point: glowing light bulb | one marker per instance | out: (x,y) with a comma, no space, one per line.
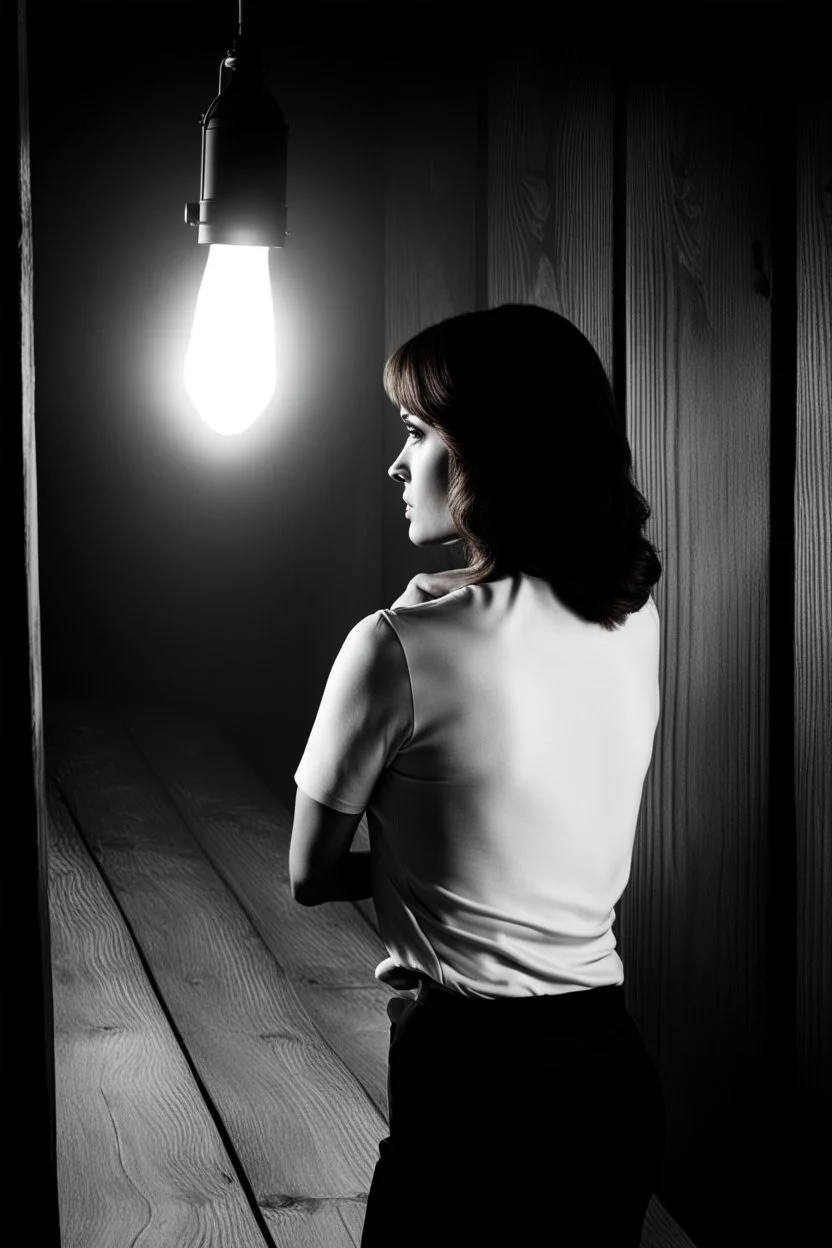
(230,366)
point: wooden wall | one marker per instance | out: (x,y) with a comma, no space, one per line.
(636,178)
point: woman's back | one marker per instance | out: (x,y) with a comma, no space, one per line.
(499,744)
(498,735)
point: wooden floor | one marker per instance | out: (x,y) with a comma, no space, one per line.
(220,1051)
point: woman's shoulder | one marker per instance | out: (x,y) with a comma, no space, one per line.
(371,654)
(427,587)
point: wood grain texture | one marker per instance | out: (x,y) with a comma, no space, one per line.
(139,1156)
(329,953)
(550,192)
(692,921)
(813,594)
(660,1230)
(430,143)
(28,1044)
(303,1128)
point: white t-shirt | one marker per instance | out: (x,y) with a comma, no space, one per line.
(499,745)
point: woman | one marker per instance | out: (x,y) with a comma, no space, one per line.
(497,723)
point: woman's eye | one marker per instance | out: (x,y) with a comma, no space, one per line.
(414,433)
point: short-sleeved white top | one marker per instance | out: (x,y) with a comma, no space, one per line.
(499,744)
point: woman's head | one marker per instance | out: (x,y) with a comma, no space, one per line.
(518,413)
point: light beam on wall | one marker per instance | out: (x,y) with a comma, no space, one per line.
(231,371)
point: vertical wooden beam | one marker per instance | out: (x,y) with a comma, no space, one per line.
(619,235)
(694,918)
(550,157)
(781,943)
(29,1051)
(813,611)
(481,173)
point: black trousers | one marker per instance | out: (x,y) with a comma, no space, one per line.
(521,1121)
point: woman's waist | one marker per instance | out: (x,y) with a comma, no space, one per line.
(568,998)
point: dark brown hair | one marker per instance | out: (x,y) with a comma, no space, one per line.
(541,469)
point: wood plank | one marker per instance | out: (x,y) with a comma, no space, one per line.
(430,235)
(28,1044)
(302,1126)
(550,185)
(693,918)
(813,612)
(329,953)
(139,1154)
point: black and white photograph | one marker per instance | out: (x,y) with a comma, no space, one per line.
(419,688)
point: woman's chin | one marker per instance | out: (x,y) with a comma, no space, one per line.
(441,539)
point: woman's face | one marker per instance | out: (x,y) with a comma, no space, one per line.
(423,468)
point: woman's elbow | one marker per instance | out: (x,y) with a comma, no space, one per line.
(304,893)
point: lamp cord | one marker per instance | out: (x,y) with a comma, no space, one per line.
(227,60)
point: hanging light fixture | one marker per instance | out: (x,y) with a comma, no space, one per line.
(231,369)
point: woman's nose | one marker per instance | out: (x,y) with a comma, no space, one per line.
(396,471)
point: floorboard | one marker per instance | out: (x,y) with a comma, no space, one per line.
(329,952)
(139,1155)
(303,1128)
(275,1004)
